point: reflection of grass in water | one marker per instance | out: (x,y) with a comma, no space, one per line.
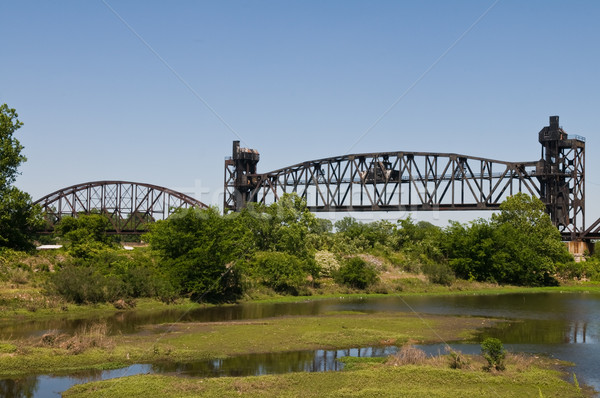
(528,331)
(365,378)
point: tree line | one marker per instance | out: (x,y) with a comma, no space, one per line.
(281,248)
(284,248)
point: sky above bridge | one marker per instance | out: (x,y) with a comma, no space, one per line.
(156,92)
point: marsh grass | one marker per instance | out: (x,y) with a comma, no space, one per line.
(408,355)
(85,338)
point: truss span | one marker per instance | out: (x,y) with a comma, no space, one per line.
(389,181)
(413,181)
(130,206)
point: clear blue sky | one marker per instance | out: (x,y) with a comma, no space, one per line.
(296,80)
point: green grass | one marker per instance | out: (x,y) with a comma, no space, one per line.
(186,342)
(301,333)
(370,380)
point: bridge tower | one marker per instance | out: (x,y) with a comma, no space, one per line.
(240,177)
(561,175)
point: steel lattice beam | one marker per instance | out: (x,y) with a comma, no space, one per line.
(391,181)
(128,205)
(413,181)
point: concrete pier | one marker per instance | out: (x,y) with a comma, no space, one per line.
(580,248)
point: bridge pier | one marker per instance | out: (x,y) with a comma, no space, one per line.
(580,248)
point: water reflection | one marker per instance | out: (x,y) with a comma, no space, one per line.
(272,363)
(129,321)
(46,386)
(566,326)
(542,332)
(243,365)
(565,308)
(22,388)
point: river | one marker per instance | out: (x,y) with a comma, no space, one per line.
(561,325)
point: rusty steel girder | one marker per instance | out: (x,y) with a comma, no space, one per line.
(128,205)
(389,181)
(414,181)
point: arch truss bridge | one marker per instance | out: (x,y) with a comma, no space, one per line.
(130,206)
(413,181)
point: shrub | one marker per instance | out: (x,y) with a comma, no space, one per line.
(327,262)
(355,272)
(457,359)
(18,275)
(86,285)
(494,353)
(282,272)
(439,273)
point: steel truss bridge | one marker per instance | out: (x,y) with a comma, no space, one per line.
(415,181)
(129,206)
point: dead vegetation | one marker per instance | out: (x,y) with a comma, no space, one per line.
(408,355)
(85,338)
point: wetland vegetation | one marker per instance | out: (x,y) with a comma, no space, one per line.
(198,259)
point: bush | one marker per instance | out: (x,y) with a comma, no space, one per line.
(19,276)
(86,285)
(141,282)
(439,273)
(589,269)
(494,353)
(457,359)
(355,272)
(282,272)
(327,262)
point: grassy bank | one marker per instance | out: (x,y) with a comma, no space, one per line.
(431,379)
(183,342)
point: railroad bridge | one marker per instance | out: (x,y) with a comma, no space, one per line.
(382,181)
(423,181)
(129,206)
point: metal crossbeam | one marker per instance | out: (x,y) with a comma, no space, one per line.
(413,181)
(392,181)
(128,205)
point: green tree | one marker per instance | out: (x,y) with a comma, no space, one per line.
(10,148)
(355,272)
(494,353)
(366,235)
(470,250)
(283,272)
(530,246)
(19,218)
(197,250)
(518,246)
(284,226)
(86,234)
(291,223)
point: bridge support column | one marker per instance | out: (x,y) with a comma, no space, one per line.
(580,248)
(240,177)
